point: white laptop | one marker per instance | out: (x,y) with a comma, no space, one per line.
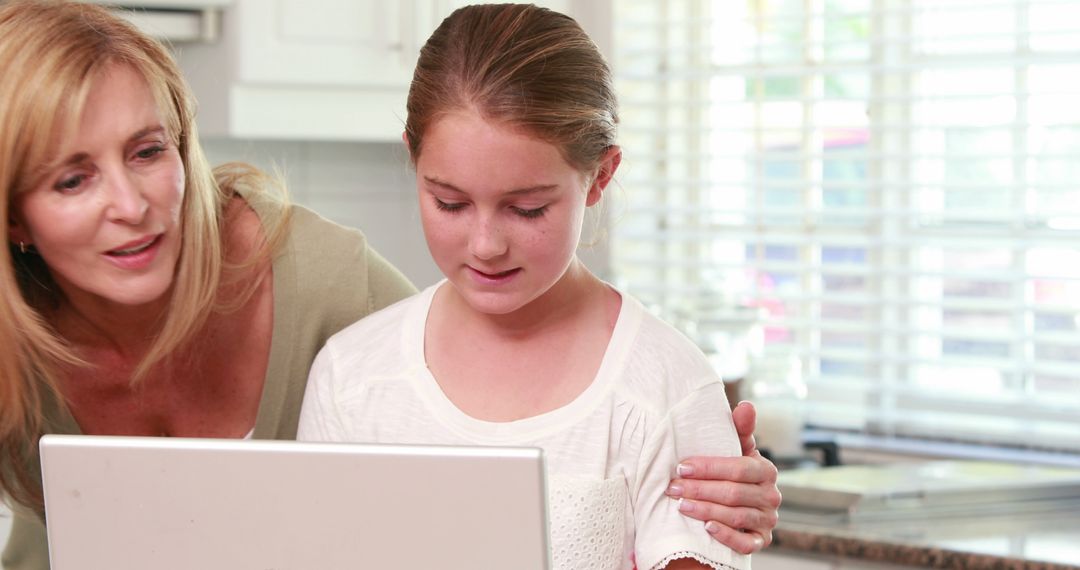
(125,503)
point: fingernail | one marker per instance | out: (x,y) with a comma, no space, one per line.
(685,506)
(674,490)
(712,527)
(685,470)
(759,542)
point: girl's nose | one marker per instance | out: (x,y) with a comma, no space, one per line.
(486,240)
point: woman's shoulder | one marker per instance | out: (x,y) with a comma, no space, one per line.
(390,321)
(320,238)
(256,192)
(311,257)
(325,254)
(325,275)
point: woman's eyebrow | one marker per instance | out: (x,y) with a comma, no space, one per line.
(81,156)
(155,129)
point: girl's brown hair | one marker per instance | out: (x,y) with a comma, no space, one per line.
(527,67)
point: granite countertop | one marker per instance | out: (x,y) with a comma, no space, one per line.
(1030,541)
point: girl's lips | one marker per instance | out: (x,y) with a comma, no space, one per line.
(493,278)
(137,254)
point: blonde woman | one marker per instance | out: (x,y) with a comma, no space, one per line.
(142,292)
(146,294)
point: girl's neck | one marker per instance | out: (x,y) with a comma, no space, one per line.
(543,356)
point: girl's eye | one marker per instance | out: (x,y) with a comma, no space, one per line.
(530,214)
(149,152)
(449,207)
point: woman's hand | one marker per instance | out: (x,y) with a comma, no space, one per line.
(736,496)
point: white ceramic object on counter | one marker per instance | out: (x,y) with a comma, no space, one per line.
(5,524)
(778,391)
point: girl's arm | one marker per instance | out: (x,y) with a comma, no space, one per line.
(686,564)
(736,496)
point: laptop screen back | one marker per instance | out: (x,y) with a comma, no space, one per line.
(177,503)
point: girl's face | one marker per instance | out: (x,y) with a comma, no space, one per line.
(106,215)
(502,211)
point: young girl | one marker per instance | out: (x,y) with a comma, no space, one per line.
(511,127)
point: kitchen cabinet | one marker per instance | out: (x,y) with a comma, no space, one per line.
(171,20)
(313,69)
(336,43)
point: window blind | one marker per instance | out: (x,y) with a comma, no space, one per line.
(893,185)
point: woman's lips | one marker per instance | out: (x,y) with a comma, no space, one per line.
(134,246)
(136,254)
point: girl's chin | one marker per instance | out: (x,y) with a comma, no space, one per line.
(494,303)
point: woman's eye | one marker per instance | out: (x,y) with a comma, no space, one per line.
(530,213)
(149,152)
(70,183)
(448,206)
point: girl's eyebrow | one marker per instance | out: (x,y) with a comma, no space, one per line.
(540,188)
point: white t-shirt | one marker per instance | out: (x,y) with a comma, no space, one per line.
(610,453)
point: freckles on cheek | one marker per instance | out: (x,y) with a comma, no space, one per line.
(534,239)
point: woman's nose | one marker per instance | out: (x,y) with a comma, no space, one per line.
(126,202)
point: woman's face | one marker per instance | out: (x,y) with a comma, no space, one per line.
(502,211)
(106,216)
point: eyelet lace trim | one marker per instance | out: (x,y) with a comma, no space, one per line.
(587,523)
(686,554)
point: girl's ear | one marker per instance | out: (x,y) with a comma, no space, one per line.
(604,173)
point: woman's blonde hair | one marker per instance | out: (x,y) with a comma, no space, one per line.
(51,52)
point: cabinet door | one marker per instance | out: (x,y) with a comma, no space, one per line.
(337,43)
(349,43)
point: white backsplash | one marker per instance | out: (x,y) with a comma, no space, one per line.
(363,185)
